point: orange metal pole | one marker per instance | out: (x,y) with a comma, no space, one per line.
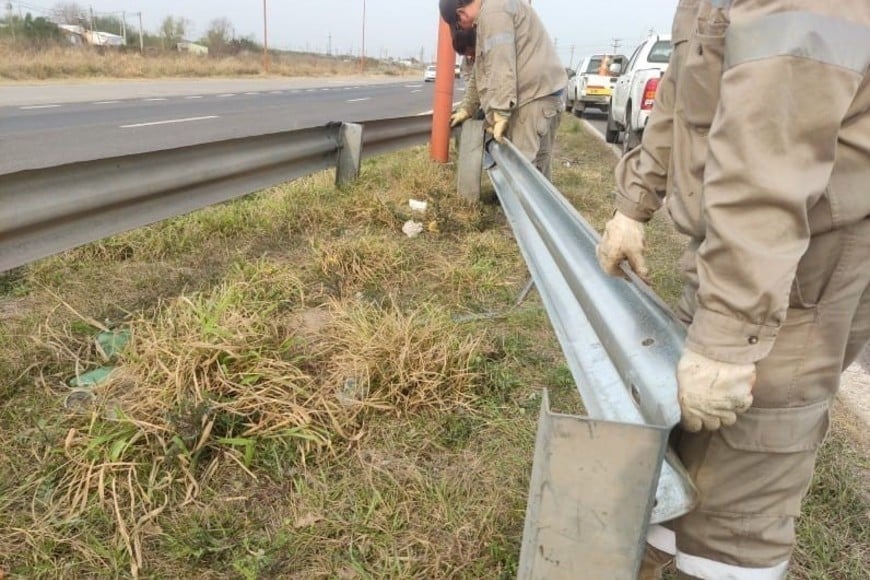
(439,146)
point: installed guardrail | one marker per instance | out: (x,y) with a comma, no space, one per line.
(48,210)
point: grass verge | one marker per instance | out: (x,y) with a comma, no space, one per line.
(299,397)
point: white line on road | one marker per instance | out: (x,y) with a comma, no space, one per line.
(31,107)
(358,100)
(167,122)
(155,99)
(413,86)
(193,97)
(416,91)
(225,95)
(105,102)
(252,93)
(276,92)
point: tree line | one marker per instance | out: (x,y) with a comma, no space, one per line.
(220,36)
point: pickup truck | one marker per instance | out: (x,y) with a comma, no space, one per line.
(635,91)
(588,88)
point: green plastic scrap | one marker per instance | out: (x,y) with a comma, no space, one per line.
(91,378)
(113,341)
(110,343)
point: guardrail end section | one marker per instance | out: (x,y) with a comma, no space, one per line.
(592,491)
(469,166)
(349,153)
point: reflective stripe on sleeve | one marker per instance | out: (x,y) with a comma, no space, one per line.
(497,39)
(712,570)
(826,39)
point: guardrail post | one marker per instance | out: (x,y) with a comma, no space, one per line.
(470,160)
(349,153)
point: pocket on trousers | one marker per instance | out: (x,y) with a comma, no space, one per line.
(762,466)
(792,430)
(701,76)
(545,120)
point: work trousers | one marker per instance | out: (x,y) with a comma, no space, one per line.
(752,476)
(532,129)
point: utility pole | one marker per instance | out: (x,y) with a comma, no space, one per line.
(92,18)
(141,41)
(265,40)
(124,27)
(571,62)
(362,53)
(329,45)
(616,44)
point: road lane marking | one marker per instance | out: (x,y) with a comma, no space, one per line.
(193,97)
(156,99)
(225,95)
(105,102)
(358,100)
(413,86)
(31,107)
(169,121)
(416,91)
(252,93)
(276,93)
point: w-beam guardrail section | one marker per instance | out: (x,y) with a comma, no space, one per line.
(595,482)
(49,210)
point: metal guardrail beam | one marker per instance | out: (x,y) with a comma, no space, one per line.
(620,342)
(48,210)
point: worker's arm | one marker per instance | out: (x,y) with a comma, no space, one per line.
(471,101)
(642,174)
(496,38)
(789,80)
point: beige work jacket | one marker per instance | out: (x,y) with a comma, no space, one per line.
(515,60)
(770,146)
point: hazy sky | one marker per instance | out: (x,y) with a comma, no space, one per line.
(393,27)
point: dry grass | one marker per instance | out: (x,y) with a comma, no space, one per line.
(297,399)
(81,62)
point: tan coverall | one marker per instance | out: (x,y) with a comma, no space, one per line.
(760,138)
(517,72)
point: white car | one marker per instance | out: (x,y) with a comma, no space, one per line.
(429,75)
(635,91)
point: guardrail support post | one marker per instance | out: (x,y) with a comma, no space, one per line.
(469,165)
(349,153)
(591,492)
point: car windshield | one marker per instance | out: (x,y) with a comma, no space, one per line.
(594,65)
(661,51)
(430,68)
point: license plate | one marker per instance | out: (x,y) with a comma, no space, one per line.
(605,92)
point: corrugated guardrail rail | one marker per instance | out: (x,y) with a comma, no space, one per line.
(621,343)
(48,210)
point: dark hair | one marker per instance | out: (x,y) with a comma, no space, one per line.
(448,10)
(464,41)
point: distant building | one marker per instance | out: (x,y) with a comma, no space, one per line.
(76,34)
(192,48)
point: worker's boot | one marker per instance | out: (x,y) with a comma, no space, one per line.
(653,563)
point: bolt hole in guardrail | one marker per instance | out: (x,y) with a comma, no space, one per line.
(635,393)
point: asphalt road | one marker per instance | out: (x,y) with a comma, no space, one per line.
(48,125)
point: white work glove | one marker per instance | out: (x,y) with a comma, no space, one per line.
(712,393)
(499,125)
(459,117)
(622,240)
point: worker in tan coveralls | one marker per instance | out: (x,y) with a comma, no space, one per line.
(518,77)
(760,137)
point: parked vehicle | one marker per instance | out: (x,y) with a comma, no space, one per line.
(429,74)
(593,83)
(632,100)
